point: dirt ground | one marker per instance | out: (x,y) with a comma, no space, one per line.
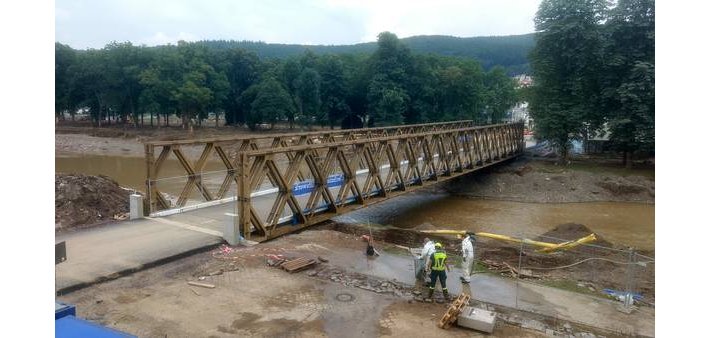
(540,181)
(251,298)
(128,141)
(86,200)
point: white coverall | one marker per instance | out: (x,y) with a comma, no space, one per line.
(467,253)
(427,250)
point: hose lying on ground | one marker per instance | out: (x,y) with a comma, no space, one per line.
(584,260)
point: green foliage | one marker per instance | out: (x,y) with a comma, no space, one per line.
(391,85)
(629,76)
(65,58)
(309,84)
(593,69)
(333,90)
(271,104)
(500,96)
(566,62)
(509,52)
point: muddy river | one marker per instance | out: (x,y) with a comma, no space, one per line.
(622,223)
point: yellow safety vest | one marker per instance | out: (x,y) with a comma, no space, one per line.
(437,261)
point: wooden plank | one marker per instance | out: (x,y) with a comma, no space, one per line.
(452,313)
(297,264)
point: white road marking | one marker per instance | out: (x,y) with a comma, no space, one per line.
(187,226)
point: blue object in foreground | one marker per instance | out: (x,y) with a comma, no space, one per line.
(72,327)
(63,310)
(617,293)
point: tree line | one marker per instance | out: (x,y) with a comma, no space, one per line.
(509,52)
(392,85)
(593,67)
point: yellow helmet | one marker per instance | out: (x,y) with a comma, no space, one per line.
(438,245)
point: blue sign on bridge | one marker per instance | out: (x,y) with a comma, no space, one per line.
(307,186)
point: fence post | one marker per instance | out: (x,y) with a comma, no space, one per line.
(149,163)
(517,276)
(628,297)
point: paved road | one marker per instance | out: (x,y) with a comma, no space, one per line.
(97,253)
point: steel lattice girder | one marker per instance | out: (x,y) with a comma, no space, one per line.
(410,161)
(227,148)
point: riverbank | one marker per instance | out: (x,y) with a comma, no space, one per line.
(540,181)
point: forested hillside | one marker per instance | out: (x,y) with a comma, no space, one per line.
(391,84)
(509,52)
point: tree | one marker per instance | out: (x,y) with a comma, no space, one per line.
(290,72)
(90,86)
(271,104)
(242,69)
(386,95)
(333,90)
(387,102)
(500,96)
(308,91)
(160,80)
(565,62)
(64,59)
(629,76)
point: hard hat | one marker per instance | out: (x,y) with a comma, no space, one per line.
(438,245)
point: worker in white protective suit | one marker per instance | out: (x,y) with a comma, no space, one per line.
(427,250)
(468,245)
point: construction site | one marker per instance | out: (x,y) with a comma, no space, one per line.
(333,233)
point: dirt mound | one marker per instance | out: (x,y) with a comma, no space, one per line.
(84,199)
(572,231)
(621,188)
(425,226)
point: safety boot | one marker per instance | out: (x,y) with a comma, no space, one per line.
(429,297)
(446,295)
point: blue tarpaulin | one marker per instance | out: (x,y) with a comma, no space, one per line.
(72,327)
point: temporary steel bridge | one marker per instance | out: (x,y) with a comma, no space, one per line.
(285,182)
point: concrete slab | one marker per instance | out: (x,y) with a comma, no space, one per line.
(96,253)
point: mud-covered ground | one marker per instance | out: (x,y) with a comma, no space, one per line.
(586,268)
(540,181)
(253,299)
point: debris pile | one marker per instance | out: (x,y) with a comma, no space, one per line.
(571,232)
(86,199)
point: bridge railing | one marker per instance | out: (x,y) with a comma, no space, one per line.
(184,174)
(310,183)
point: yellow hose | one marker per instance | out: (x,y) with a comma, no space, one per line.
(546,247)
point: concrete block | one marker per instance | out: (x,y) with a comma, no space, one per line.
(477,319)
(136,206)
(231,233)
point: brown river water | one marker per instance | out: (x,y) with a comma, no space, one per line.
(622,223)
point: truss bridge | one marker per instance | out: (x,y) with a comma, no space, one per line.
(272,184)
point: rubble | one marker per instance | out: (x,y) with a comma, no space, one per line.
(86,199)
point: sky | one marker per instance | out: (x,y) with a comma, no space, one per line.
(92,24)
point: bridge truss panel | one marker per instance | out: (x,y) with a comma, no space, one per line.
(185,174)
(315,182)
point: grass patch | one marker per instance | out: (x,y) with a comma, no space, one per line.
(597,168)
(570,285)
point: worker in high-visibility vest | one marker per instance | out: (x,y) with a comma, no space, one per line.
(438,267)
